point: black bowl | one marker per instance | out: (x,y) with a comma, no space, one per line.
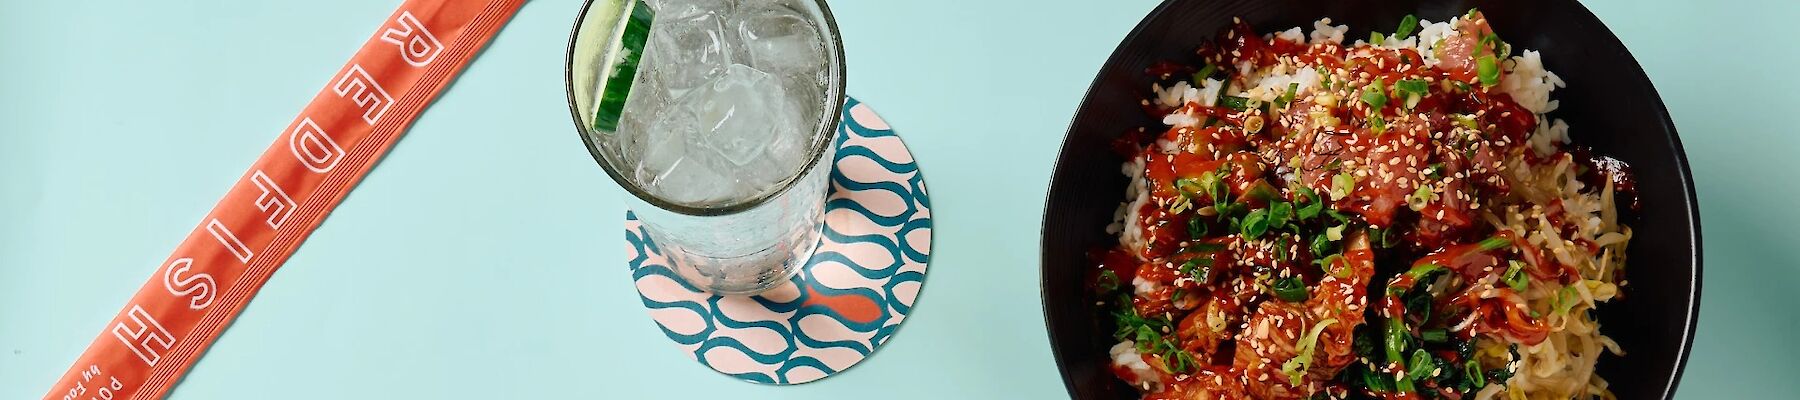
(1609,104)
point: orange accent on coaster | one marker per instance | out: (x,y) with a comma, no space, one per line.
(265,216)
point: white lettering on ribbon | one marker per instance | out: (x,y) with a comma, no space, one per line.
(273,200)
(197,287)
(369,95)
(417,45)
(231,242)
(313,147)
(148,336)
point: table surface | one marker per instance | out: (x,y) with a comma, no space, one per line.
(482,259)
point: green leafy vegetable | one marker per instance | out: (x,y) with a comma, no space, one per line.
(1395,340)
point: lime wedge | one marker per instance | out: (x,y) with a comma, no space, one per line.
(621,64)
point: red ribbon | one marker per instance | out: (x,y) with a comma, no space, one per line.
(285,195)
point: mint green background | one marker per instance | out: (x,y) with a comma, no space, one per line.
(483,258)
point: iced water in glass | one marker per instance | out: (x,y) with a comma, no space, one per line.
(718,117)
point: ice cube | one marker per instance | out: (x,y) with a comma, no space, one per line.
(688,8)
(741,113)
(688,51)
(664,145)
(776,38)
(670,166)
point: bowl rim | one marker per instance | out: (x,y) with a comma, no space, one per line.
(1690,320)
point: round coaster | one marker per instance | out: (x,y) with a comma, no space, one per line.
(849,299)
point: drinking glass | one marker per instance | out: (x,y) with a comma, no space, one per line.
(752,236)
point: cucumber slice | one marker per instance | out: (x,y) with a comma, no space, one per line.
(621,65)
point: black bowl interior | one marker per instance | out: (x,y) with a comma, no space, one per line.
(1609,104)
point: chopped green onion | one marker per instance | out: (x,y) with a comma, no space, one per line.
(1495,243)
(1485,41)
(1467,121)
(1435,335)
(1413,86)
(1290,289)
(1107,282)
(1515,276)
(1383,238)
(1566,299)
(1189,186)
(1279,214)
(1199,268)
(1375,94)
(1205,73)
(1204,247)
(1419,198)
(1336,233)
(1330,261)
(1473,371)
(1419,272)
(1377,124)
(1407,25)
(1341,185)
(1375,38)
(1313,204)
(1488,70)
(1286,98)
(1296,367)
(1420,366)
(1177,360)
(1210,184)
(1235,103)
(1256,223)
(1321,245)
(1196,228)
(1461,86)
